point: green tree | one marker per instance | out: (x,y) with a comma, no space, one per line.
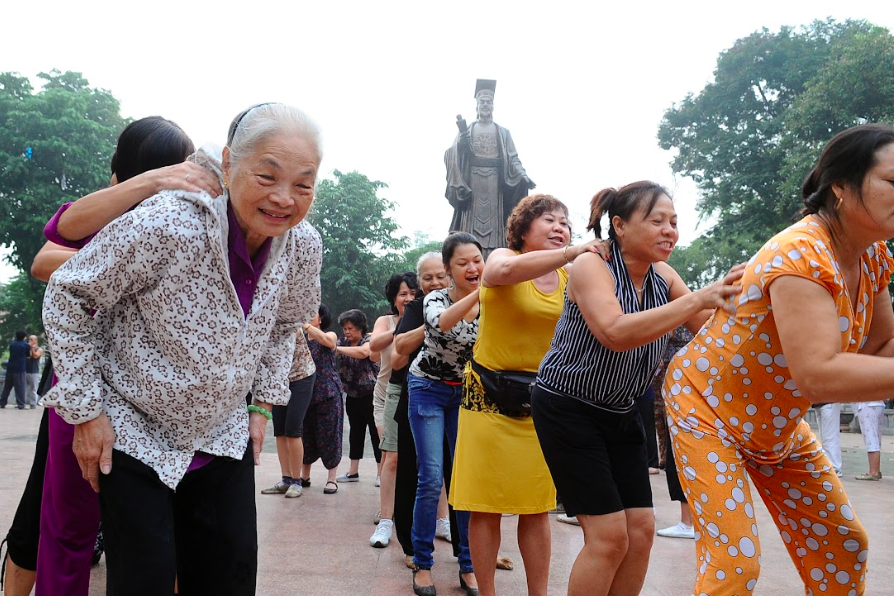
(360,240)
(55,146)
(20,307)
(750,137)
(422,243)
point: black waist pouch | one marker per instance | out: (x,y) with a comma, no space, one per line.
(509,390)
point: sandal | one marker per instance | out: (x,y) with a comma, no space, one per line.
(505,563)
(868,476)
(327,490)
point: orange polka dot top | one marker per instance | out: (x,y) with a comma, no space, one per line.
(732,380)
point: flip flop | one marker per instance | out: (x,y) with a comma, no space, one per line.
(330,491)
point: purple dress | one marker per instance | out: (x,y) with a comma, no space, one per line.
(324,421)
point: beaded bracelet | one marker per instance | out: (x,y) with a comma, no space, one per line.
(259,410)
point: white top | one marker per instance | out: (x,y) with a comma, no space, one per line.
(169,355)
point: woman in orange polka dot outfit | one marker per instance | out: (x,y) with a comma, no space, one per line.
(812,297)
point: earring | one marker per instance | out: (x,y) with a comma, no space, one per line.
(838,203)
(226,184)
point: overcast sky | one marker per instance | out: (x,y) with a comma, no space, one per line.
(582,89)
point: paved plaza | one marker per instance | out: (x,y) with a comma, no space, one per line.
(319,544)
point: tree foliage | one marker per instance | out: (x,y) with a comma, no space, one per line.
(21,301)
(55,146)
(750,137)
(359,243)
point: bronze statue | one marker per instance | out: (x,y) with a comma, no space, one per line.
(485,178)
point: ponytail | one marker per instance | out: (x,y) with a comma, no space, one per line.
(623,203)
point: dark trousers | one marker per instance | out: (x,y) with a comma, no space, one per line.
(24,533)
(360,417)
(673,481)
(406,477)
(204,534)
(646,406)
(20,382)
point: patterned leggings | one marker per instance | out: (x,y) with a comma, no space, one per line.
(821,532)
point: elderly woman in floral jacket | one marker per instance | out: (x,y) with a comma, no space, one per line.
(197,302)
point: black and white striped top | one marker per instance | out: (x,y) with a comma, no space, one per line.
(578,366)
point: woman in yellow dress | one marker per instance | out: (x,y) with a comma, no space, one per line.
(521,300)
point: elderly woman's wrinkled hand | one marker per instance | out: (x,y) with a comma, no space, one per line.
(257,427)
(92,446)
(186,176)
(721,294)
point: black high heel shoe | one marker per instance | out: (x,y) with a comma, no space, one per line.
(426,590)
(470,591)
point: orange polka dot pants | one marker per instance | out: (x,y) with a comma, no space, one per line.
(823,536)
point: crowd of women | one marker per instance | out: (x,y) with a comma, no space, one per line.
(184,311)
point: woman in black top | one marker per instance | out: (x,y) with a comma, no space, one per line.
(612,331)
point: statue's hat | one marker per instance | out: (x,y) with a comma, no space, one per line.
(485,85)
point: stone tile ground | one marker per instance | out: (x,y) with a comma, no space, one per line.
(318,544)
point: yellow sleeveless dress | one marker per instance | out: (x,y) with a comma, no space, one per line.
(498,465)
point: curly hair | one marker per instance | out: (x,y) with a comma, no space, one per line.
(393,287)
(355,317)
(527,210)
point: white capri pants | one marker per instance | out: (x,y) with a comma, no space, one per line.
(871,415)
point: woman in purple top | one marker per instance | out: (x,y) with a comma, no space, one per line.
(148,158)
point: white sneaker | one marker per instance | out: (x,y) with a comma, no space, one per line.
(293,491)
(442,528)
(378,481)
(567,519)
(681,530)
(382,536)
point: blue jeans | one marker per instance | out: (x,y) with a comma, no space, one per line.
(434,411)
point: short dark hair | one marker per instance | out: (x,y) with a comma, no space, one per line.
(847,158)
(454,241)
(355,317)
(393,286)
(623,203)
(527,210)
(20,335)
(148,144)
(325,317)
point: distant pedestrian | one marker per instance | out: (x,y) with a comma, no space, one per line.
(359,369)
(32,370)
(19,352)
(871,415)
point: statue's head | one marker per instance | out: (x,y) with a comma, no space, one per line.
(484,96)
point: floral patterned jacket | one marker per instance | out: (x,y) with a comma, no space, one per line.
(169,355)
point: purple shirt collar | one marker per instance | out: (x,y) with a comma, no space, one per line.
(245,271)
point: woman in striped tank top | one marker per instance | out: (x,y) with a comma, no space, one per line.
(616,320)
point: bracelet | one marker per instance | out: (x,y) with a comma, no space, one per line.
(565,255)
(260,410)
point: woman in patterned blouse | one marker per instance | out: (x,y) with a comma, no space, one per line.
(435,383)
(197,304)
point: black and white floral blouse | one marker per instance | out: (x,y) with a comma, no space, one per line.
(169,355)
(444,354)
